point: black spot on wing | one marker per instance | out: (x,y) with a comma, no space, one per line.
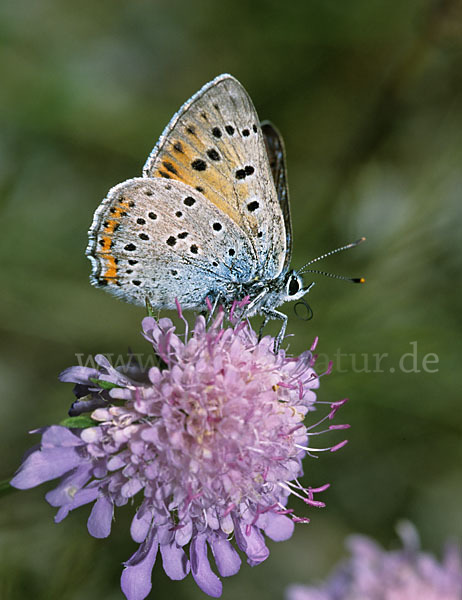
(213,154)
(245,172)
(170,168)
(199,164)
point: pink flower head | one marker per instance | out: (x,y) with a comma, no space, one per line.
(210,444)
(372,573)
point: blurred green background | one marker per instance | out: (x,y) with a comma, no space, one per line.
(368,96)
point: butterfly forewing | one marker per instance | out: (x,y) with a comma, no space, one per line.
(161,239)
(215,145)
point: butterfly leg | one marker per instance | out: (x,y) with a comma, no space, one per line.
(252,307)
(275,314)
(262,327)
(215,304)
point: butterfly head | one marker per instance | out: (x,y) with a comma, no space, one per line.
(271,294)
(294,288)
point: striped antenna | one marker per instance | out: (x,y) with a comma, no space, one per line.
(333,275)
(341,249)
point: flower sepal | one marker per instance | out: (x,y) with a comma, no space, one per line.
(80,422)
(104,385)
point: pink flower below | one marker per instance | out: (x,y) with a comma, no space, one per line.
(211,441)
(372,573)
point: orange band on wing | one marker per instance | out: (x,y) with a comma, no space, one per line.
(111,268)
(105,244)
(110,226)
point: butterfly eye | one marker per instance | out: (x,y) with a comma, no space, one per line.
(294,286)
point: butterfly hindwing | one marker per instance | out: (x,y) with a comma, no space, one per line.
(161,239)
(277,160)
(215,144)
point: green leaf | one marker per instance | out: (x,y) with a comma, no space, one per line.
(105,385)
(80,422)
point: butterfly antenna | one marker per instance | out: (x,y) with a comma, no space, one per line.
(336,251)
(334,276)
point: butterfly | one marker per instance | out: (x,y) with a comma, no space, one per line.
(209,220)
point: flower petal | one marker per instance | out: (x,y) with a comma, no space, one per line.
(136,579)
(44,465)
(175,562)
(140,525)
(132,487)
(227,559)
(278,527)
(79,375)
(100,519)
(252,543)
(183,534)
(200,568)
(64,493)
(56,435)
(84,496)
